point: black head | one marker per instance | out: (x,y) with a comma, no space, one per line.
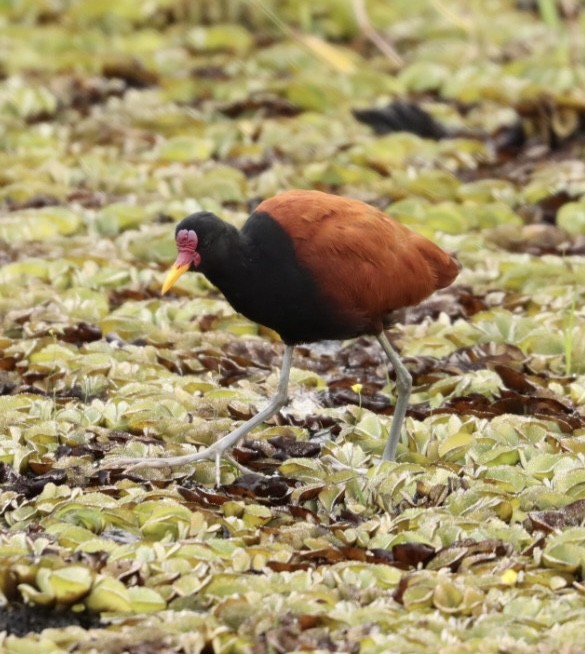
(198,237)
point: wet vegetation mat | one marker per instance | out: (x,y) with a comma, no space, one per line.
(465,121)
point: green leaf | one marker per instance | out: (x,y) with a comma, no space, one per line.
(118,217)
(231,38)
(571,217)
(109,595)
(145,600)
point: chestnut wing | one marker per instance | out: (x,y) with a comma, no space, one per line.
(365,262)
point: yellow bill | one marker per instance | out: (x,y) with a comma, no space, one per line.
(173,275)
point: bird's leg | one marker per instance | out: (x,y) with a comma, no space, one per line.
(403,387)
(279,400)
(215,451)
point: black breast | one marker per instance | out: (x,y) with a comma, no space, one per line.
(265,282)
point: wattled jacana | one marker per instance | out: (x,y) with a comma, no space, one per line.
(311,266)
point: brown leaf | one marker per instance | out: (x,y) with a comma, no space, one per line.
(202,497)
(407,555)
(253,486)
(288,447)
(269,106)
(254,352)
(281,566)
(367,398)
(513,379)
(402,587)
(572,515)
(118,297)
(510,402)
(82,332)
(30,486)
(131,71)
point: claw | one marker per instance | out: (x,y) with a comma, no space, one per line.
(212,453)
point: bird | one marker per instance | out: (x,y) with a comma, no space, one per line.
(311,266)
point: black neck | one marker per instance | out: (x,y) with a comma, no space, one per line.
(258,272)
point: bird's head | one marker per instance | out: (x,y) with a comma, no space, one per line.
(187,239)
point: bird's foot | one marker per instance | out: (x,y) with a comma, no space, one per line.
(337,465)
(217,450)
(212,453)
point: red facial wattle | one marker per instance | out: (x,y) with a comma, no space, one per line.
(187,257)
(187,242)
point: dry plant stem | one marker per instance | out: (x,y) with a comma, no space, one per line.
(215,452)
(452,16)
(361,16)
(571,11)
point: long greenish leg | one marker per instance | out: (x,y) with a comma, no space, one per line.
(403,387)
(215,451)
